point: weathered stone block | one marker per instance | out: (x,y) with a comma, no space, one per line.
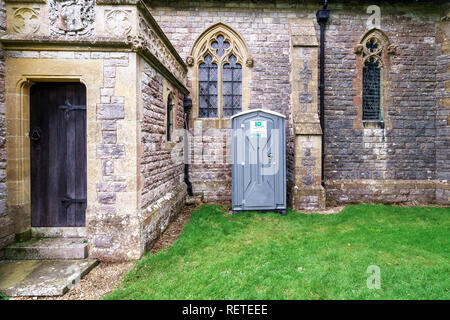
(109,125)
(110,111)
(108,167)
(106,197)
(109,137)
(103,241)
(113,151)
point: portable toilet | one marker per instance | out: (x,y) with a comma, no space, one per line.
(259,161)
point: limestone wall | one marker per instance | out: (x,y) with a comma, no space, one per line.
(6,224)
(111,215)
(105,53)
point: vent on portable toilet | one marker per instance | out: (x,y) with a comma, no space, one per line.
(259,161)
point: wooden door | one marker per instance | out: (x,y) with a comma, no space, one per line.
(58,154)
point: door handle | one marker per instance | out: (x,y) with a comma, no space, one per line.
(35,134)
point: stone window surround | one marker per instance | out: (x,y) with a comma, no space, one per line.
(385,83)
(198,51)
(169,93)
(17,105)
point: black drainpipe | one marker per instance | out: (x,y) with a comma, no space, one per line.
(322,18)
(187,107)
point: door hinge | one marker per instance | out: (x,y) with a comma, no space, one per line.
(68,201)
(67,106)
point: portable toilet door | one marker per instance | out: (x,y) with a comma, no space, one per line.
(259,161)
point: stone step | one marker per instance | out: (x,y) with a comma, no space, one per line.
(47,248)
(42,277)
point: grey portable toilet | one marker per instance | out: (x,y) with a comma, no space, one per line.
(259,161)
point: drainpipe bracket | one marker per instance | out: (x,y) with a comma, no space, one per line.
(323,15)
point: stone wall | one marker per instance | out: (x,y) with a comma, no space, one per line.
(443,112)
(361,163)
(265,28)
(161,162)
(210,170)
(6,224)
(307,191)
(131,196)
(112,222)
(135,177)
(111,216)
(397,163)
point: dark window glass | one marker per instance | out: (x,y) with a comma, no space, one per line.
(372,45)
(232,87)
(371,90)
(169,118)
(207,87)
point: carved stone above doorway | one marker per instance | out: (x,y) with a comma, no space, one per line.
(71,17)
(26,20)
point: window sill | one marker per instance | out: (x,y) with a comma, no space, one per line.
(217,123)
(373,124)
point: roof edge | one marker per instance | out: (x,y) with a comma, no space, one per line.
(258,110)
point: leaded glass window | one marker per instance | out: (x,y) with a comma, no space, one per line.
(371,90)
(207,87)
(232,87)
(223,63)
(371,77)
(220,45)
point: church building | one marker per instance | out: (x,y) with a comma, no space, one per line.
(114,113)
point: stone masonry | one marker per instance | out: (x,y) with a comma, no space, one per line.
(161,164)
(307,193)
(135,185)
(396,163)
(6,224)
(265,28)
(443,111)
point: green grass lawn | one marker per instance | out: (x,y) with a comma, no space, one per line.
(300,256)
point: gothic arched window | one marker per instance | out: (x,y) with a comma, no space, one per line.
(373,63)
(371,95)
(221,64)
